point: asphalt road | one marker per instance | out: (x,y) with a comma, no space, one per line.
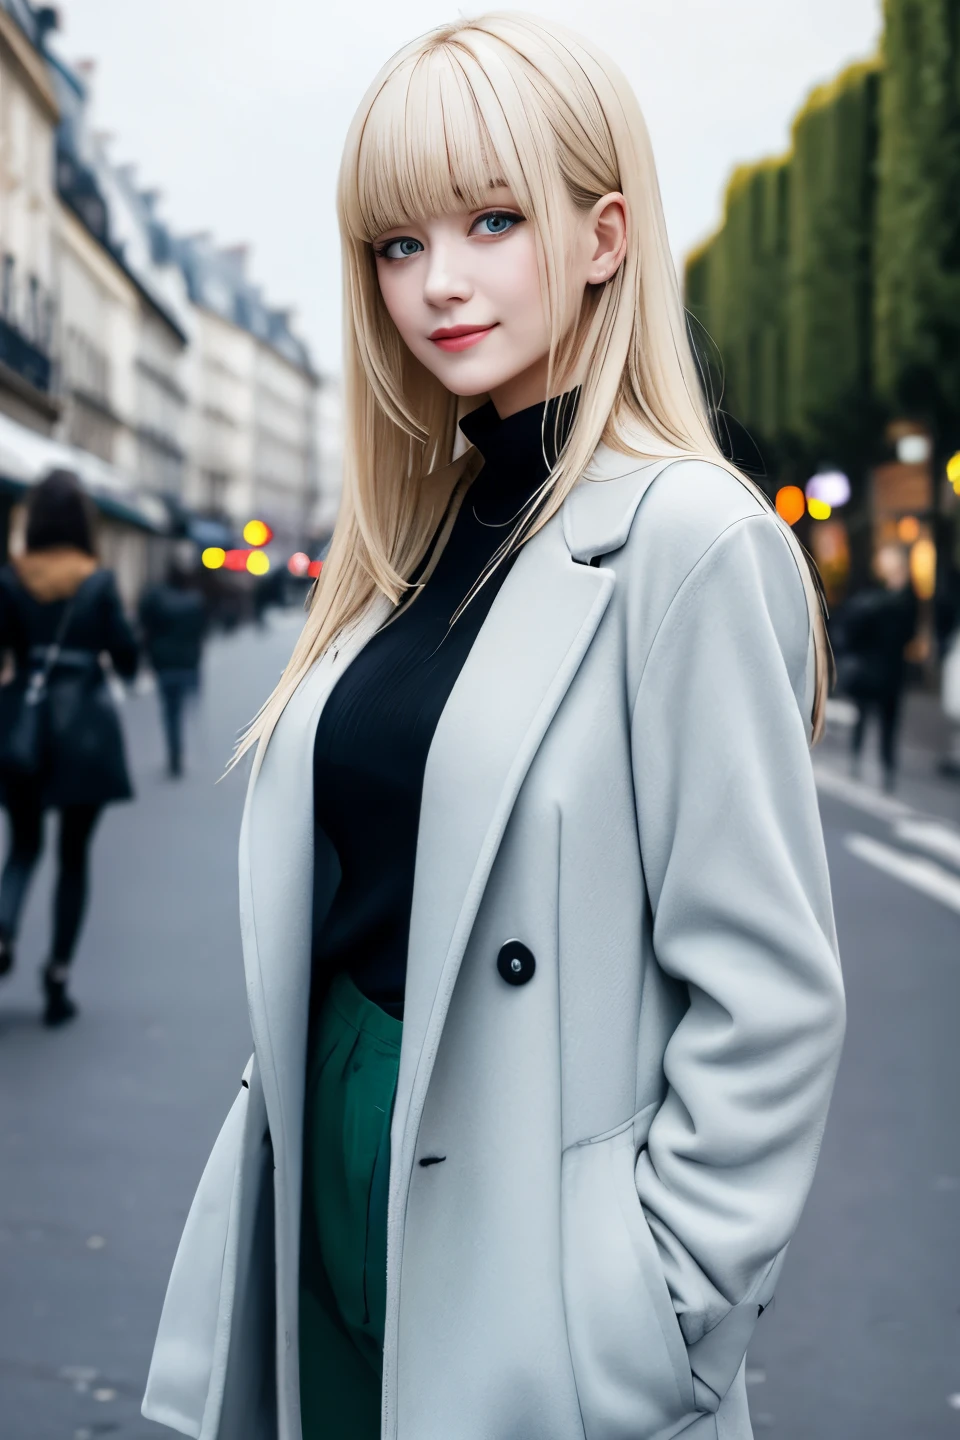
(104,1127)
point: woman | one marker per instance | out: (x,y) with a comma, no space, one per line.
(558,899)
(59,612)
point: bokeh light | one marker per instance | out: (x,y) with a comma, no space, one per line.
(913,449)
(953,471)
(299,563)
(258,563)
(213,557)
(830,486)
(257,532)
(923,568)
(819,509)
(908,529)
(791,503)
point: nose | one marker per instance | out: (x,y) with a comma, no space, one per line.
(445,280)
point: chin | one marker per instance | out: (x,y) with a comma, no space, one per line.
(470,381)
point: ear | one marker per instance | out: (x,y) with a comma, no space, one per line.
(606,238)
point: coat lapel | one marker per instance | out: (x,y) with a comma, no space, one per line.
(516,675)
(518,670)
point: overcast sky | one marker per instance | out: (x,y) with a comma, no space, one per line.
(237,109)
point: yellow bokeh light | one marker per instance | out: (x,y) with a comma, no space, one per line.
(953,470)
(819,509)
(258,563)
(923,568)
(255,532)
(790,503)
(213,557)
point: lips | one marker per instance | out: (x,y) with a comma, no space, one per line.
(460,337)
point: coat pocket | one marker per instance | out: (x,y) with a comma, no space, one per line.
(629,1357)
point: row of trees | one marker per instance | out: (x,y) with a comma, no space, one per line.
(828,302)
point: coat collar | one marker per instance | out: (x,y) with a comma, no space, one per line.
(600,509)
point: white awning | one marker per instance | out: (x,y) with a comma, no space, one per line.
(26,456)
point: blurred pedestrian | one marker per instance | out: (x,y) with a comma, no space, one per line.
(877,626)
(61,746)
(173,617)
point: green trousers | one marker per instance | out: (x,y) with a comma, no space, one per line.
(351,1080)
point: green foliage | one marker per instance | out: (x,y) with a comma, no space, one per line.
(917,295)
(735,287)
(829,289)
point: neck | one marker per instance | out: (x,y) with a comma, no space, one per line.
(523,390)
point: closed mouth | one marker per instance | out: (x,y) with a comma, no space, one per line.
(460,337)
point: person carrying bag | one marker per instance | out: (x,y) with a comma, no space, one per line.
(25,714)
(61,745)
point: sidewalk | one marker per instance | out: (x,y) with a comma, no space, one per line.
(924,739)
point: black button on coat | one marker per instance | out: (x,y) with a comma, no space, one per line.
(516,963)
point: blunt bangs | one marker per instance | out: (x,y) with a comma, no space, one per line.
(427,146)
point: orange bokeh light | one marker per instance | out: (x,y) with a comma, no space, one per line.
(791,503)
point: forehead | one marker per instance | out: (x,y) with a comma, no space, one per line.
(427,148)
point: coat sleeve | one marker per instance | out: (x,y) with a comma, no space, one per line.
(736,871)
(119,640)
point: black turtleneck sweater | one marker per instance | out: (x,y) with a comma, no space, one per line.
(378,723)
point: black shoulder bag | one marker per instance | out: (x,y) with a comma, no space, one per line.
(25,712)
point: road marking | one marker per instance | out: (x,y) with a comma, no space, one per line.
(923,875)
(940,840)
(855,793)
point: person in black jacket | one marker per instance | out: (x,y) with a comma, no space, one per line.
(876,627)
(59,614)
(173,618)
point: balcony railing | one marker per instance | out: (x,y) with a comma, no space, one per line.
(25,358)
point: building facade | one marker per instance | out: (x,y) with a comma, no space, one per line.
(253,424)
(146,372)
(149,363)
(220,480)
(28,287)
(98,325)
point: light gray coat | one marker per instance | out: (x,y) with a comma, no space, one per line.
(621,780)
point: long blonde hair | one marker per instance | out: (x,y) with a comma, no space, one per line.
(513,99)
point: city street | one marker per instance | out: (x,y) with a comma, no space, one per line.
(104,1127)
